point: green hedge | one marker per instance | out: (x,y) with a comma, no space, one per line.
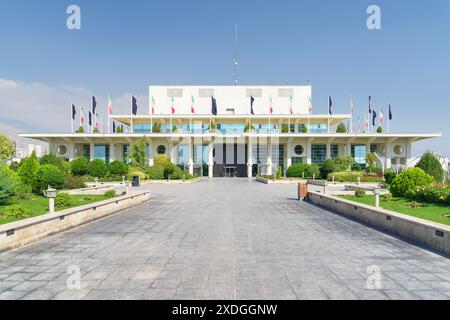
(353,177)
(302,169)
(410,179)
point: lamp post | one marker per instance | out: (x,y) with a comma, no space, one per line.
(50,193)
(376,192)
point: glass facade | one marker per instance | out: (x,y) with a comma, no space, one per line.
(317,128)
(334,148)
(231,128)
(318,153)
(296,160)
(126,153)
(87,151)
(142,128)
(300,128)
(101,152)
(359,154)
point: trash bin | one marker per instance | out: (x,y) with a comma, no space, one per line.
(135,182)
(302,191)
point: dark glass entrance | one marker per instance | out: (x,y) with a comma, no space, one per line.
(229,157)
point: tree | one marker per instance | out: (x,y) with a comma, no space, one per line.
(9,180)
(137,154)
(371,161)
(48,175)
(97,168)
(328,166)
(79,166)
(28,168)
(53,160)
(118,168)
(343,163)
(164,161)
(341,128)
(7,148)
(431,165)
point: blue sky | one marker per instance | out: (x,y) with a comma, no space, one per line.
(124,46)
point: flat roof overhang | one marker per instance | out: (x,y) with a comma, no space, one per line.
(132,137)
(334,119)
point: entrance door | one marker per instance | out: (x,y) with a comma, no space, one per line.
(233,156)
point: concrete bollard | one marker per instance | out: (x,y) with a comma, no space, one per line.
(324,188)
(334,179)
(358,181)
(376,192)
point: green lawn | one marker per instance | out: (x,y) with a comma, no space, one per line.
(428,211)
(38,205)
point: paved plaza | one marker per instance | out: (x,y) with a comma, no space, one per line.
(223,239)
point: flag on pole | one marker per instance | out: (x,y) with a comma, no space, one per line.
(114,126)
(74,112)
(271,106)
(94,105)
(390,113)
(172,108)
(97,121)
(381,117)
(374,116)
(81,116)
(310,104)
(90,119)
(110,108)
(252,100)
(291,109)
(193,104)
(153,105)
(330,104)
(370,106)
(359,124)
(366,122)
(213,106)
(134,106)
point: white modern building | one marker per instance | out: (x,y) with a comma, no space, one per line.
(181,123)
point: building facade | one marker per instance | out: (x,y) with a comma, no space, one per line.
(217,131)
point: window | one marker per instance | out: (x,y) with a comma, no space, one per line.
(142,128)
(300,128)
(87,151)
(292,128)
(296,160)
(231,128)
(62,150)
(317,128)
(125,153)
(278,156)
(299,150)
(161,149)
(359,154)
(101,152)
(334,151)
(318,153)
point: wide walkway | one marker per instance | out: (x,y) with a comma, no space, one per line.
(223,239)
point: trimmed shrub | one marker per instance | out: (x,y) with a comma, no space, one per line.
(155,172)
(297,170)
(343,163)
(63,200)
(410,194)
(23,191)
(388,197)
(79,166)
(156,128)
(48,175)
(435,194)
(431,165)
(409,180)
(285,128)
(304,129)
(341,128)
(344,176)
(53,160)
(136,171)
(379,130)
(328,166)
(164,161)
(80,130)
(9,180)
(356,167)
(118,168)
(279,172)
(371,177)
(28,168)
(74,182)
(389,176)
(110,194)
(97,168)
(178,174)
(17,211)
(360,193)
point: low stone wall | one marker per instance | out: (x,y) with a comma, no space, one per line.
(279,181)
(23,232)
(429,234)
(171,181)
(89,190)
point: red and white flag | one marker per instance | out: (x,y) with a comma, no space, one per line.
(172,108)
(153,106)
(81,116)
(193,104)
(110,108)
(291,110)
(271,106)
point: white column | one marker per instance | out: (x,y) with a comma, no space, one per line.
(288,154)
(250,157)
(269,156)
(112,152)
(92,151)
(191,161)
(308,152)
(173,152)
(348,150)
(328,152)
(341,150)
(152,152)
(210,159)
(71,151)
(388,155)
(408,152)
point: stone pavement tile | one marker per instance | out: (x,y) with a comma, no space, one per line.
(401,295)
(18,276)
(12,295)
(431,295)
(6,285)
(71,294)
(138,284)
(159,294)
(166,283)
(190,294)
(44,276)
(29,285)
(39,295)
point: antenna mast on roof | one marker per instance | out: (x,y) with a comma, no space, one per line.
(235,62)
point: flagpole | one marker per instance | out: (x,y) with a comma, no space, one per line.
(71,117)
